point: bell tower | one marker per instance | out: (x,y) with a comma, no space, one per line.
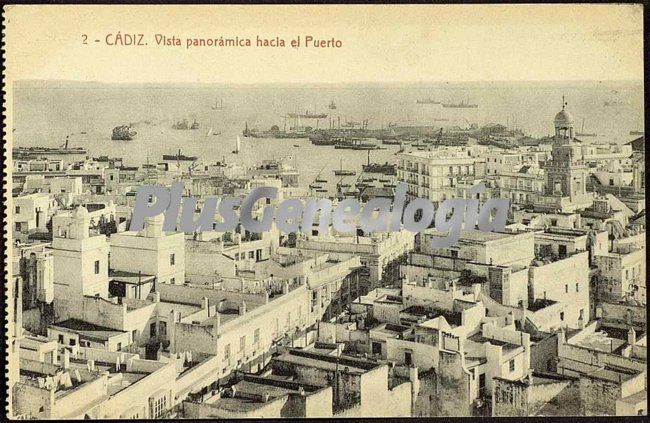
(566,172)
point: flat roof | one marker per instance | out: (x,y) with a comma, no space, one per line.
(475,235)
(87,329)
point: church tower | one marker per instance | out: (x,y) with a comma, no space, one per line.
(566,172)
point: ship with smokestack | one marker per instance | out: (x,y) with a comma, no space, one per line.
(185,124)
(31,152)
(123,133)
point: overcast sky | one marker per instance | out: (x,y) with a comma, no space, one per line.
(380,43)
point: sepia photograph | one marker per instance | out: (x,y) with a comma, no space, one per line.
(324,211)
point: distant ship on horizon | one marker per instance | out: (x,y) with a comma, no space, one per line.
(462,105)
(427,101)
(307,115)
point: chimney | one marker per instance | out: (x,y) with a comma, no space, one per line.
(66,358)
(476,290)
(242,308)
(205,304)
(285,288)
(156,297)
(631,336)
(581,322)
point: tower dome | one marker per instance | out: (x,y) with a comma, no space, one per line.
(563,119)
(563,124)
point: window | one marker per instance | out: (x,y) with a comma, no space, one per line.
(582,313)
(562,316)
(242,343)
(577,287)
(163,328)
(376,348)
(407,358)
(17,209)
(158,407)
(172,259)
(97,267)
(152,329)
(566,288)
(172,281)
(60,339)
(251,254)
(512,365)
(119,346)
(256,336)
(72,342)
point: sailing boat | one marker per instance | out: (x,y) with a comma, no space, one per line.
(332,105)
(218,105)
(582,132)
(344,172)
(318,179)
(237,146)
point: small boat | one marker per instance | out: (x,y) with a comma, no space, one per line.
(344,172)
(315,186)
(582,132)
(636,133)
(237,146)
(83,132)
(318,180)
(218,105)
(296,145)
(332,105)
(214,134)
